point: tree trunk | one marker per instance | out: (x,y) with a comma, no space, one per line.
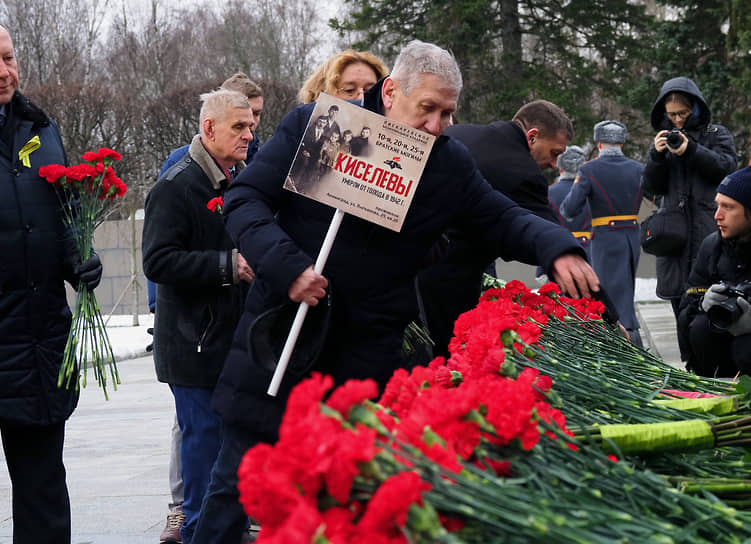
(511,41)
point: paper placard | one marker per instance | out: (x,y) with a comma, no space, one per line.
(359,162)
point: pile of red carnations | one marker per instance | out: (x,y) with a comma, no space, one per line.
(466,450)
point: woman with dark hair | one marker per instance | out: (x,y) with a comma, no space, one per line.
(346,75)
(687,160)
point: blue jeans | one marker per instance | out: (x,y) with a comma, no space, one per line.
(201,430)
(222,518)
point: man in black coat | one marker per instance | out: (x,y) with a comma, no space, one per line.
(201,281)
(511,155)
(714,322)
(370,269)
(37,253)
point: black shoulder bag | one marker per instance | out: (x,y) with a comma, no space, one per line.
(665,232)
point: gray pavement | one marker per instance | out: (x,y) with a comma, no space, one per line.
(116,451)
(116,454)
(658,331)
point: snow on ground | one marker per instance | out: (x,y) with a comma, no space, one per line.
(128,340)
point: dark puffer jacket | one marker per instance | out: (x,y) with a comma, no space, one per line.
(692,177)
(371,269)
(36,254)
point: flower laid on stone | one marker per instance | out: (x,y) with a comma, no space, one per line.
(477,448)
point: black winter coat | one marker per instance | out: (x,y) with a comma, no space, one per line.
(717,260)
(189,255)
(692,178)
(36,255)
(502,156)
(371,269)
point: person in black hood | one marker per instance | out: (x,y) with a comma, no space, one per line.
(682,170)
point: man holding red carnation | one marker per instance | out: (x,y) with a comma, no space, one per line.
(201,281)
(38,253)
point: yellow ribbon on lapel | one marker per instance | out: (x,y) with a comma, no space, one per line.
(28,148)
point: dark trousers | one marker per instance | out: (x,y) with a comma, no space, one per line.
(41,507)
(222,519)
(683,347)
(716,353)
(201,438)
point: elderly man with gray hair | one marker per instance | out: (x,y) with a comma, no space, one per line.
(201,281)
(611,185)
(370,271)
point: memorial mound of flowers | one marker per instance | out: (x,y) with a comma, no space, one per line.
(544,425)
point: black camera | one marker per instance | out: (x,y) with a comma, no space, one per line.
(725,313)
(674,139)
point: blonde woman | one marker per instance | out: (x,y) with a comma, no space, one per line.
(346,75)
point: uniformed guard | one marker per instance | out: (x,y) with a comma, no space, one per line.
(611,185)
(580,224)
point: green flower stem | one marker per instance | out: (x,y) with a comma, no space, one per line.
(88,343)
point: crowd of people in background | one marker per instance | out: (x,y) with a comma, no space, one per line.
(216,273)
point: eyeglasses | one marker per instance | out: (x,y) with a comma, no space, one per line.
(678,114)
(352,92)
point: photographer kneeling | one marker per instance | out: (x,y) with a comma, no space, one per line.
(714,322)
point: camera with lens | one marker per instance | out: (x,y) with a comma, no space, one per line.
(725,313)
(674,139)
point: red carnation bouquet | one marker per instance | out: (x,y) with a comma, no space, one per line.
(86,192)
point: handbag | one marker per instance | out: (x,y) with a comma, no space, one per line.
(665,232)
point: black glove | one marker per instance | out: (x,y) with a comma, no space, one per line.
(89,272)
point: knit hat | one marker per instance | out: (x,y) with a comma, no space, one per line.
(571,159)
(738,186)
(610,132)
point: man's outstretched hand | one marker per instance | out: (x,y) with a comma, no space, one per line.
(575,276)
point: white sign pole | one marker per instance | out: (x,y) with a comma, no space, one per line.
(302,310)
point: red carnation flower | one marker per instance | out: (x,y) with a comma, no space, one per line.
(107,153)
(351,393)
(53,172)
(391,501)
(99,156)
(216,204)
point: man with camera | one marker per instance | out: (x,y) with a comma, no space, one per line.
(714,322)
(689,156)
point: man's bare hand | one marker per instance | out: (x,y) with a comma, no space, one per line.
(309,287)
(244,271)
(574,276)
